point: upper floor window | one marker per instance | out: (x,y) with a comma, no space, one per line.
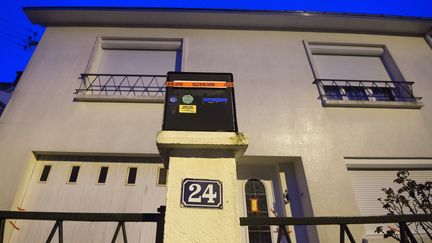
(133,67)
(359,75)
(428,38)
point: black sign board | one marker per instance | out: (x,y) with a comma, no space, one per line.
(200,102)
(201,193)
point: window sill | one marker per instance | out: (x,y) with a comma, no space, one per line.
(372,104)
(119,98)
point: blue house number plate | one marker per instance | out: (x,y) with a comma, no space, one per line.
(201,193)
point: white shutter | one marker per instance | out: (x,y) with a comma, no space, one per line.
(350,67)
(150,62)
(367,186)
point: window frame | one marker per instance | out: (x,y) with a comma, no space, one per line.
(127,176)
(99,173)
(120,42)
(246,203)
(359,49)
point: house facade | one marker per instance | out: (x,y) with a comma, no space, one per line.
(333,105)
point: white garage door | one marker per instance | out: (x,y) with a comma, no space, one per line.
(367,186)
(92,187)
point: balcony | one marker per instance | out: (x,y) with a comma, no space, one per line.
(367,94)
(121,88)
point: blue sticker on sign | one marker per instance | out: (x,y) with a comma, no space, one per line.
(215,100)
(173,99)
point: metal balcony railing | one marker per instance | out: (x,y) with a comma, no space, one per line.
(365,90)
(122,84)
(406,235)
(59,218)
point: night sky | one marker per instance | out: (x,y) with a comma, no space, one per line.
(15,29)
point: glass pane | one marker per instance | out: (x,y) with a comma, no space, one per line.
(259,187)
(356,93)
(255,194)
(103,173)
(162,176)
(383,94)
(132,175)
(45,173)
(332,93)
(74,174)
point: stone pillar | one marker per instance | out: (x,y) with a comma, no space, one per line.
(208,156)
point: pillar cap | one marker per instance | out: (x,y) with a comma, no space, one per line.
(201,144)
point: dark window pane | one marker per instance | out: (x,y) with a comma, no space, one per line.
(132,175)
(332,92)
(255,190)
(74,174)
(254,237)
(162,176)
(249,187)
(259,187)
(265,236)
(356,93)
(103,173)
(383,94)
(45,173)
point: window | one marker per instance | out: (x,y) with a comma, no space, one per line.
(133,68)
(428,38)
(256,204)
(103,173)
(45,173)
(131,176)
(139,56)
(73,176)
(348,73)
(162,176)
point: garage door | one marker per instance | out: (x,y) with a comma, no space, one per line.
(367,186)
(92,187)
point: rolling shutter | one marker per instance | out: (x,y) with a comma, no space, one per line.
(367,186)
(350,67)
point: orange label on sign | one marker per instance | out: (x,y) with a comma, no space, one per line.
(200,84)
(254,205)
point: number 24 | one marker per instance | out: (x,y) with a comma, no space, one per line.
(208,193)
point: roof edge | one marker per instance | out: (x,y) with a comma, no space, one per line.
(229,19)
(221,10)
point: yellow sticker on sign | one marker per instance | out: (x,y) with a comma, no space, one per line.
(187,109)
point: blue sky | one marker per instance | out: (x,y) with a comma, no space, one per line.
(15,28)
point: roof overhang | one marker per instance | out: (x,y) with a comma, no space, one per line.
(228,19)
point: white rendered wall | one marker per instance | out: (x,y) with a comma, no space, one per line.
(277,107)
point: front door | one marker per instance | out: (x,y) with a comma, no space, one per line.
(257,186)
